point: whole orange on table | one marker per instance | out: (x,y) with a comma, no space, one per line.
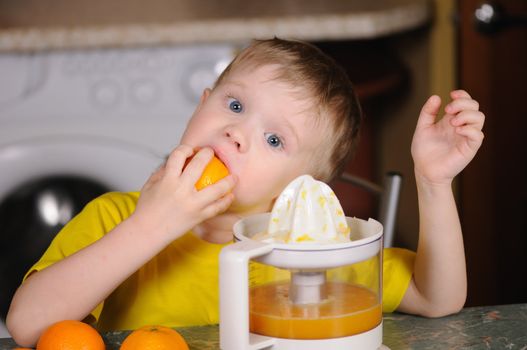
(154,338)
(214,171)
(70,335)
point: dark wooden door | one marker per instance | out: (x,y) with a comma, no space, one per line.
(493,188)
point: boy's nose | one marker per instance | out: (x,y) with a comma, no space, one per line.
(236,139)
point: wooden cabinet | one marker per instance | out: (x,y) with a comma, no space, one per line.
(493,188)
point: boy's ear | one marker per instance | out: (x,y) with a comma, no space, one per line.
(204,96)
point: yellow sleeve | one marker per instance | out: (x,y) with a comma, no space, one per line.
(96,219)
(398,267)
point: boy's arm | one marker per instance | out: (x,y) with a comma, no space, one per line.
(168,206)
(441,149)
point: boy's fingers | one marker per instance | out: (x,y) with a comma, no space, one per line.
(459,94)
(218,197)
(197,164)
(177,158)
(460,104)
(219,188)
(474,136)
(155,177)
(473,118)
(218,206)
(429,111)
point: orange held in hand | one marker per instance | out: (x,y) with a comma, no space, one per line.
(214,171)
(70,335)
(154,338)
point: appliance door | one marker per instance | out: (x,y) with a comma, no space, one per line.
(45,181)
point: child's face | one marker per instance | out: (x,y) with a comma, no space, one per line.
(260,128)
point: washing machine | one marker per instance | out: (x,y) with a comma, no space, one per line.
(75,124)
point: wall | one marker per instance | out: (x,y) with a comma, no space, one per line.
(429,54)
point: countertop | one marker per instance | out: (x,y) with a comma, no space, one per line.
(68,24)
(489,327)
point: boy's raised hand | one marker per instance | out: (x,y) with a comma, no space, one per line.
(169,203)
(442,148)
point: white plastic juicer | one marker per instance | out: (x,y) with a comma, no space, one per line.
(301,296)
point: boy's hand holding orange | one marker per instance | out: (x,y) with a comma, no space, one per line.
(172,201)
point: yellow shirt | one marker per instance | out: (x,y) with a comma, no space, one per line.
(179,286)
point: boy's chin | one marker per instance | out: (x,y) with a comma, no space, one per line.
(245,209)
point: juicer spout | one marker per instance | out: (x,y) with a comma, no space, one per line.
(308,287)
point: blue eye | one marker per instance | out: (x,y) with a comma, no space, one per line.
(273,140)
(235,105)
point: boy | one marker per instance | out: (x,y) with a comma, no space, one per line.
(281,109)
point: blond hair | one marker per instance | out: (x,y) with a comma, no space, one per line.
(305,66)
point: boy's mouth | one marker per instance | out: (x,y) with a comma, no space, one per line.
(221,156)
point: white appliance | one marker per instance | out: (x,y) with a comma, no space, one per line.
(74,124)
(301,296)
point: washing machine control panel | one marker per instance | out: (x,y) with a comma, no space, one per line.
(126,93)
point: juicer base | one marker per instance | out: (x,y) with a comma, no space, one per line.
(370,340)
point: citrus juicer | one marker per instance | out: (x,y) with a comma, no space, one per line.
(301,296)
